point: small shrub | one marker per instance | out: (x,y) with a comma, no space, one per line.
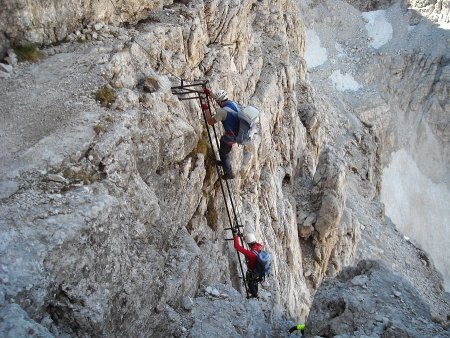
(304,88)
(28,52)
(204,148)
(150,85)
(106,96)
(79,175)
(99,128)
(210,164)
(201,148)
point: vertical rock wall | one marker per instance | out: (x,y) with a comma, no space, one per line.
(437,11)
(419,150)
(46,22)
(121,231)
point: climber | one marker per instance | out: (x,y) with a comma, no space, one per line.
(252,277)
(299,327)
(227,113)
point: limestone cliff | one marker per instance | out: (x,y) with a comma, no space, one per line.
(128,212)
(46,22)
(112,216)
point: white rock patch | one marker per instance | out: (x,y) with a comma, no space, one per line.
(315,55)
(343,82)
(378,28)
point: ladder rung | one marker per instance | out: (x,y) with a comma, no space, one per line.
(237,226)
(185,91)
(190,85)
(187,98)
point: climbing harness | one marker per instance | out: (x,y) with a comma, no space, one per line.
(192,92)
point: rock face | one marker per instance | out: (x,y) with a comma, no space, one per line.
(436,11)
(221,311)
(415,142)
(370,300)
(112,243)
(387,93)
(112,218)
(46,22)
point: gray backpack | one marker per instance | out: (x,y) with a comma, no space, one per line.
(248,119)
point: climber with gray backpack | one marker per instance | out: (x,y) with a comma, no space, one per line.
(258,261)
(239,124)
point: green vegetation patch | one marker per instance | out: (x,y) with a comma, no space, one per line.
(106,96)
(28,52)
(82,175)
(201,148)
(99,128)
(204,148)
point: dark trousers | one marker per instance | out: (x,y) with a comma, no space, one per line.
(226,144)
(252,280)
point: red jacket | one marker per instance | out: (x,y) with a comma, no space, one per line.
(250,256)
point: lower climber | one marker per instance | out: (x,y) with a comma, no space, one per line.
(252,277)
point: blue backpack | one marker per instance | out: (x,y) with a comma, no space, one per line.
(264,263)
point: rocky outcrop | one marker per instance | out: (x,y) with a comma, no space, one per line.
(370,300)
(437,11)
(23,22)
(219,310)
(322,225)
(389,107)
(366,6)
